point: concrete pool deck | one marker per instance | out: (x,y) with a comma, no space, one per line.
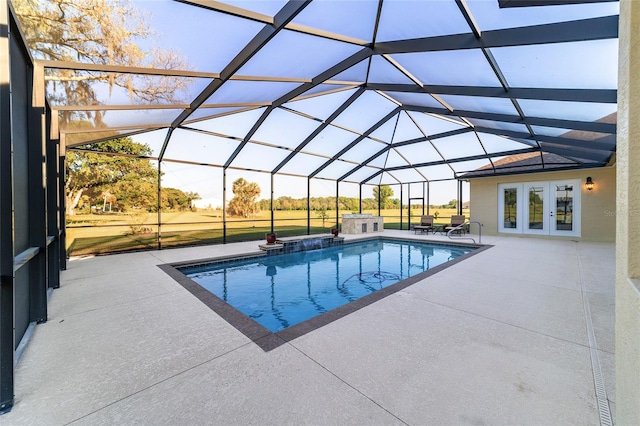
(500,338)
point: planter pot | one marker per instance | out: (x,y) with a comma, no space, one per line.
(271,237)
(334,231)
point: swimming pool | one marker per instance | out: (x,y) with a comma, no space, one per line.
(283,291)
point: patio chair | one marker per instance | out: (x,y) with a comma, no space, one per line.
(457,220)
(426,224)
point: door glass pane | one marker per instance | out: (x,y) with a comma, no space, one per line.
(536,197)
(564,207)
(510,208)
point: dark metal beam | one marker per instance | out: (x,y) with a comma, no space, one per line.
(561,32)
(587,126)
(546,94)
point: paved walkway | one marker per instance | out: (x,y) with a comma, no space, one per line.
(500,338)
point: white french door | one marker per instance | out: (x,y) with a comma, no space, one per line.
(543,208)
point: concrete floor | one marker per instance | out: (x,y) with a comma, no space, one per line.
(500,338)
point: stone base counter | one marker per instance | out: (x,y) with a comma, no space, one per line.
(361,223)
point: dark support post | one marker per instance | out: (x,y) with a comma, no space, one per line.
(409,208)
(53,207)
(423,198)
(401,207)
(62,173)
(360,199)
(159,204)
(337,201)
(224,205)
(459,197)
(271,204)
(7,306)
(308,206)
(428,201)
(379,198)
(37,215)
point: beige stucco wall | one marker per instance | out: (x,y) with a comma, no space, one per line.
(598,206)
(628,214)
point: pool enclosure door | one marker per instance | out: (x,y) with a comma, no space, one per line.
(543,208)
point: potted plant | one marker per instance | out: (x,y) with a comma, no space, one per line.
(334,231)
(271,237)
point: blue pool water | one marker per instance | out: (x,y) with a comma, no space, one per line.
(283,290)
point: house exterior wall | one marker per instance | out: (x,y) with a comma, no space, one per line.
(598,206)
(628,215)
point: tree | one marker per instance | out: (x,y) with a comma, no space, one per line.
(244,203)
(104,32)
(322,214)
(94,173)
(382,194)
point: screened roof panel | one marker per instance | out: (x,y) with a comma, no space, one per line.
(238,92)
(153,139)
(293,54)
(406,175)
(494,143)
(467,166)
(441,171)
(62,89)
(489,16)
(321,106)
(477,103)
(395,160)
(193,146)
(139,117)
(380,161)
(450,67)
(531,77)
(387,178)
(459,146)
(362,174)
(499,125)
(366,111)
(586,64)
(564,110)
(350,18)
(410,19)
(382,71)
(406,129)
(185,35)
(204,113)
(386,131)
(433,125)
(298,128)
(259,157)
(303,164)
(419,153)
(355,73)
(336,169)
(80,137)
(420,99)
(363,150)
(237,125)
(330,141)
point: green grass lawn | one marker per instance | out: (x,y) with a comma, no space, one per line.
(108,233)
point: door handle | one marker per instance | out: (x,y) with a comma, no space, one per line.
(551,214)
